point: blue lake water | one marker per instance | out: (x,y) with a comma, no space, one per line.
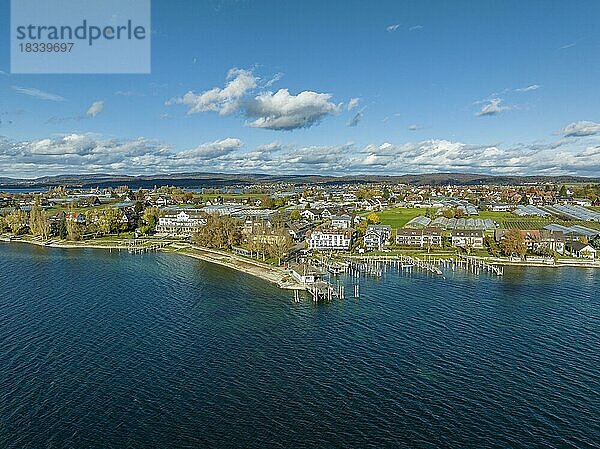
(111,350)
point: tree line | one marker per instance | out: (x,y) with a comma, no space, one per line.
(223,232)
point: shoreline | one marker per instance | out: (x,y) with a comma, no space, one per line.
(277,275)
(271,274)
(274,275)
(508,262)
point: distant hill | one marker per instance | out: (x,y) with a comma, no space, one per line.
(223,179)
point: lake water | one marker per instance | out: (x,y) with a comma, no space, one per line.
(111,350)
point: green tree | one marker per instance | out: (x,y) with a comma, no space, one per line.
(73,230)
(361,228)
(373,218)
(513,243)
(491,246)
(109,221)
(430,213)
(281,243)
(267,203)
(449,213)
(61,229)
(219,232)
(295,215)
(3,224)
(386,193)
(563,191)
(150,217)
(17,222)
(39,224)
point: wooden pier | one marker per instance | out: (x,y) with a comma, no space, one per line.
(322,290)
(355,267)
(138,246)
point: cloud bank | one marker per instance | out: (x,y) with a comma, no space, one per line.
(581,128)
(88,153)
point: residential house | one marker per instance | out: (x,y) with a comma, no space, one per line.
(582,250)
(327,214)
(376,236)
(532,238)
(419,237)
(554,240)
(369,205)
(298,230)
(502,207)
(162,201)
(341,221)
(584,202)
(467,238)
(311,214)
(76,217)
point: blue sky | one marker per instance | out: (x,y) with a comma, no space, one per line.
(332,87)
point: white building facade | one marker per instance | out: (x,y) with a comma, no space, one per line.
(330,239)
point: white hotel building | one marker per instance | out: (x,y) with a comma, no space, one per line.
(180,222)
(330,239)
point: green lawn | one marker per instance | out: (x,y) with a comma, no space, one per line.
(399,216)
(496,216)
(540,222)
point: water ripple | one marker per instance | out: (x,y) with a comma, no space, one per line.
(109,350)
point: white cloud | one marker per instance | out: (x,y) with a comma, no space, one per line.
(392,28)
(222,100)
(493,107)
(581,128)
(413,127)
(211,150)
(39,94)
(564,47)
(356,119)
(528,88)
(282,111)
(416,28)
(274,79)
(353,103)
(268,110)
(96,108)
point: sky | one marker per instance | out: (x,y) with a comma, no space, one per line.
(324,87)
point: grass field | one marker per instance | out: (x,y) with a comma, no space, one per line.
(496,216)
(540,222)
(399,216)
